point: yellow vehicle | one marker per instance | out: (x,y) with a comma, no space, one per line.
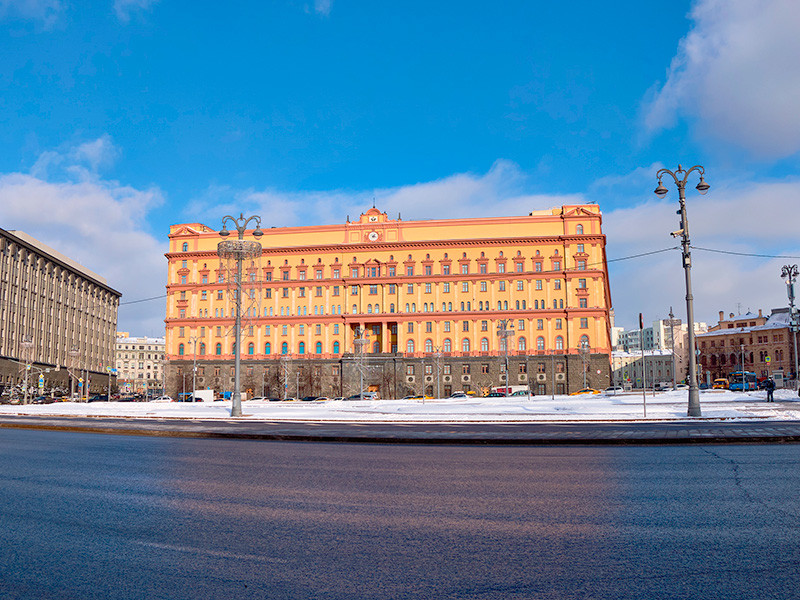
(585,391)
(720,384)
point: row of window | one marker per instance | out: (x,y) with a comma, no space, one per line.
(447,346)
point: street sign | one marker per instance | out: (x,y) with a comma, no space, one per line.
(767,359)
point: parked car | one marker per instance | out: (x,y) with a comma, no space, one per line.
(614,389)
(521,393)
(458,395)
(162,399)
(259,399)
(681,386)
(97,398)
(308,398)
(365,395)
(495,395)
(585,391)
(321,399)
(338,398)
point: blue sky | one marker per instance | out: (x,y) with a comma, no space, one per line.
(122,117)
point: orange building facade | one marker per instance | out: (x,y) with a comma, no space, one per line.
(426,296)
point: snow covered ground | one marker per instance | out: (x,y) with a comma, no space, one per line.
(715,404)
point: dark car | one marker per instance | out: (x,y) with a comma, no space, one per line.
(97,398)
(308,398)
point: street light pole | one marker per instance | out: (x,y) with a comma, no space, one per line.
(194,339)
(790,272)
(683,232)
(504,331)
(238,250)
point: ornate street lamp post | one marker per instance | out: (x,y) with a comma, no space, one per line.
(505,330)
(238,250)
(790,272)
(683,232)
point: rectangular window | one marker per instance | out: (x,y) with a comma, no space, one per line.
(482,268)
(427,288)
(267,330)
(520,267)
(336,290)
(445,269)
(302,275)
(336,273)
(285,292)
(521,325)
(428,326)
(180,332)
(464,269)
(556,265)
(392,272)
(353,271)
(484,369)
(465,369)
(335,329)
(318,329)
(392,288)
(373,290)
(558,323)
(183,278)
(219,331)
(301,329)
(428,270)
(581,264)
(354,290)
(318,274)
(447,326)
(269,276)
(484,325)
(465,326)
(465,286)
(284,329)
(410,288)
(302,292)
(268,293)
(409,369)
(501,268)
(501,286)
(582,302)
(580,248)
(428,369)
(584,323)
(205,279)
(520,286)
(556,284)
(318,291)
(523,368)
(538,284)
(410,327)
(582,284)
(539,323)
(285,275)
(446,287)
(446,369)
(410,270)
(204,295)
(537,266)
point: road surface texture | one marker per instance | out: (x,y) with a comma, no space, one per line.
(613,433)
(121,517)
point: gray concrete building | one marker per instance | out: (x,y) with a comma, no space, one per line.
(55,315)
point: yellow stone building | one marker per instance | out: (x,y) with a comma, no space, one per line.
(429,297)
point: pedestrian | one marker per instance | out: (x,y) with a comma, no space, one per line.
(769,385)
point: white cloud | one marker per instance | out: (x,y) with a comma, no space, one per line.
(44,12)
(499,192)
(323,7)
(125,8)
(750,218)
(736,76)
(101,225)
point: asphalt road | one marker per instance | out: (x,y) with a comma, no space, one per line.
(118,517)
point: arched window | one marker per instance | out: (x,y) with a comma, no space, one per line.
(535,304)
(559,343)
(391,307)
(521,345)
(267,348)
(301,349)
(579,229)
(251,348)
(202,349)
(410,346)
(408,307)
(369,309)
(465,345)
(428,345)
(450,306)
(469,306)
(185,246)
(448,345)
(336,347)
(540,343)
(499,305)
(377,309)
(355,309)
(413,307)
(180,349)
(444,306)
(218,349)
(584,341)
(505,304)
(318,348)
(480,305)
(523,305)
(284,348)
(462,307)
(484,344)
(517,304)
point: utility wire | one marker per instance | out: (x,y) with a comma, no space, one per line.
(143,300)
(742,253)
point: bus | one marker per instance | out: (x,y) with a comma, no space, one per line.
(742,381)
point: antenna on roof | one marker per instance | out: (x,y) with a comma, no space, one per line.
(373,202)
